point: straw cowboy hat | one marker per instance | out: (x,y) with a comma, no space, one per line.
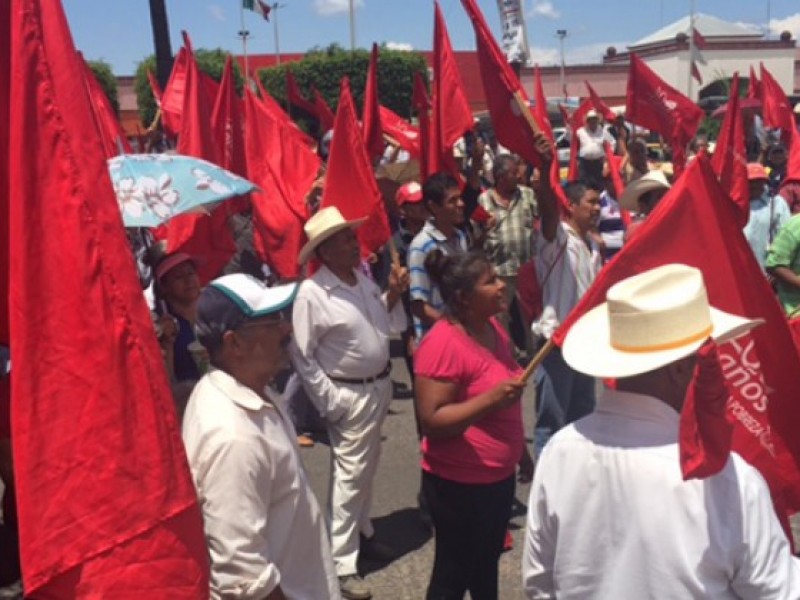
(325,223)
(652,180)
(648,321)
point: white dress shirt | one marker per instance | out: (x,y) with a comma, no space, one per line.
(591,143)
(341,331)
(262,523)
(610,516)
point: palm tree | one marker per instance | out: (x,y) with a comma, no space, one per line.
(158,19)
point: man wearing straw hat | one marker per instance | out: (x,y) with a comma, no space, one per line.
(342,325)
(610,515)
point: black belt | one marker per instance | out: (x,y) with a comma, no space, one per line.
(364,380)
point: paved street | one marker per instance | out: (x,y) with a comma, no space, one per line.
(396,519)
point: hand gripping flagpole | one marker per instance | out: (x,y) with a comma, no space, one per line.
(537,360)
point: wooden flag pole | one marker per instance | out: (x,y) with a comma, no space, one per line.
(537,360)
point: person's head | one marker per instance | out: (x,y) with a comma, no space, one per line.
(505,172)
(698,144)
(643,194)
(592,120)
(647,332)
(441,194)
(331,239)
(470,288)
(176,279)
(637,150)
(757,180)
(584,205)
(776,156)
(409,201)
(246,327)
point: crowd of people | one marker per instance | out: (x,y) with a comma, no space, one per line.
(487,267)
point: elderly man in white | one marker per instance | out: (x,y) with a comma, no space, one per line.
(610,515)
(264,530)
(342,325)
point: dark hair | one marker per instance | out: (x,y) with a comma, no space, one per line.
(455,275)
(575,190)
(504,163)
(436,186)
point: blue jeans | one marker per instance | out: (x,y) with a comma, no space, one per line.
(563,396)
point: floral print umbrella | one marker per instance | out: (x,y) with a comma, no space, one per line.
(153,188)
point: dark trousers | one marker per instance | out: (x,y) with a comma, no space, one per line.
(470,521)
(590,170)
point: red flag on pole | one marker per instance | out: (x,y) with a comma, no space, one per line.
(370,115)
(452,116)
(5,116)
(400,131)
(172,97)
(576,121)
(109,130)
(775,106)
(422,105)
(106,504)
(514,125)
(295,97)
(284,167)
(654,104)
(350,182)
(154,87)
(197,234)
(324,112)
(696,224)
(730,159)
(754,85)
(599,105)
(544,120)
(276,111)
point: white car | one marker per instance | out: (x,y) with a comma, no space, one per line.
(562,144)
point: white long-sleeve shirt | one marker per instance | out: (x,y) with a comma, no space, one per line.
(262,524)
(610,516)
(341,331)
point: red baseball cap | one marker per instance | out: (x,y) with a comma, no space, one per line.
(756,172)
(410,192)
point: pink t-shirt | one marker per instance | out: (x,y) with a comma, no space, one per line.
(489,450)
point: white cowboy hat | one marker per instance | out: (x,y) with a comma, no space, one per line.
(321,226)
(652,180)
(649,321)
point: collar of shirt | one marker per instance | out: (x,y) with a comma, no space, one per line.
(240,394)
(638,406)
(328,281)
(494,195)
(760,202)
(437,235)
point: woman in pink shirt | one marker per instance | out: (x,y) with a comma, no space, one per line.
(468,401)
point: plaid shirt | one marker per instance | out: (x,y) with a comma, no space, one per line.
(511,242)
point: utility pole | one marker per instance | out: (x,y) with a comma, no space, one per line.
(352,27)
(274,12)
(561,34)
(691,48)
(163,47)
(244,34)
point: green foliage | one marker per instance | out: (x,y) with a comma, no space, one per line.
(325,67)
(103,73)
(211,62)
(710,128)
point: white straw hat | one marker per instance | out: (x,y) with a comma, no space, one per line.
(649,321)
(652,180)
(321,226)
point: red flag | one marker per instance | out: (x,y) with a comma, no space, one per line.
(775,106)
(154,87)
(730,160)
(172,97)
(197,234)
(793,166)
(696,73)
(370,116)
(451,116)
(654,104)
(514,125)
(696,224)
(576,121)
(5,117)
(274,109)
(284,167)
(228,125)
(295,97)
(699,43)
(324,112)
(547,128)
(110,133)
(422,105)
(754,85)
(106,504)
(400,131)
(598,103)
(350,182)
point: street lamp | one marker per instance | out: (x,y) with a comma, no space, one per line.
(561,34)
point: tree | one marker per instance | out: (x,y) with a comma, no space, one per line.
(209,61)
(105,76)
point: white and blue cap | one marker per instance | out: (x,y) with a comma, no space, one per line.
(230,301)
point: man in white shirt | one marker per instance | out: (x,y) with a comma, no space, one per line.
(264,530)
(610,515)
(591,148)
(342,326)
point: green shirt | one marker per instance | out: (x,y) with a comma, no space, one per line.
(785,252)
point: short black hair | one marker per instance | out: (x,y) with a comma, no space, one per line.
(435,187)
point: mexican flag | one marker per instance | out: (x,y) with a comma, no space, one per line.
(258,6)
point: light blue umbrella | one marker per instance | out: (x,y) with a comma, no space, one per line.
(153,188)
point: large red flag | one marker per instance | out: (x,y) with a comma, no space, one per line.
(324,112)
(696,224)
(284,167)
(514,125)
(576,121)
(730,160)
(654,104)
(106,504)
(544,120)
(371,115)
(422,105)
(171,102)
(295,96)
(228,125)
(775,106)
(400,131)
(350,182)
(754,85)
(205,236)
(599,105)
(5,84)
(451,116)
(110,133)
(273,108)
